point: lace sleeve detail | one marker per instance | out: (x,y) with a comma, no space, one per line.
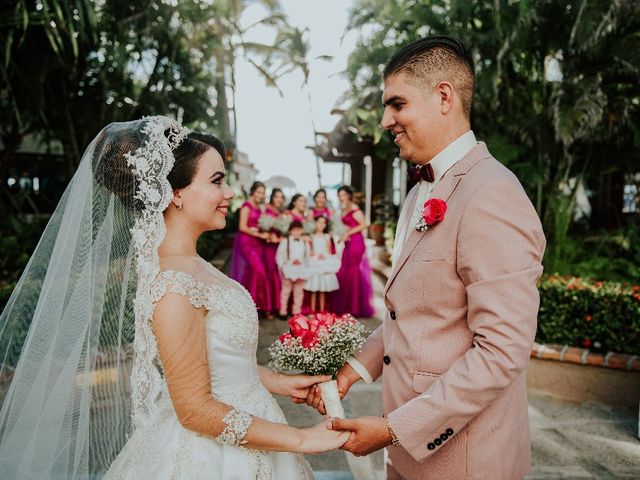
(237,423)
(199,293)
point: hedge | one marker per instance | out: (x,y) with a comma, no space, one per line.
(600,316)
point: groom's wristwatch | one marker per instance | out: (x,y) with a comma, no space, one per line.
(394,439)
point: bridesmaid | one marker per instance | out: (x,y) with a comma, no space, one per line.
(320,209)
(297,208)
(354,276)
(273,209)
(247,263)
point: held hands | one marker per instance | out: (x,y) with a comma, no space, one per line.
(367,434)
(321,438)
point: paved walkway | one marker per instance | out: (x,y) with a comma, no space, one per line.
(570,441)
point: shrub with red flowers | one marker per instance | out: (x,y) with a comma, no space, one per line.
(601,316)
(317,344)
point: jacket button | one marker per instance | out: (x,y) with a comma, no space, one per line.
(392,314)
(437,441)
(431,446)
(449,431)
(444,437)
(386,360)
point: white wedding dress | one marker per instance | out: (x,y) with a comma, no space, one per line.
(166,450)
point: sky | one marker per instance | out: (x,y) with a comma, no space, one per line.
(275,130)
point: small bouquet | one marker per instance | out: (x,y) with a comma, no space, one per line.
(319,344)
(282,224)
(309,226)
(338,229)
(266,223)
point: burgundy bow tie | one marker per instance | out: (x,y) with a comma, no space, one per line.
(425,172)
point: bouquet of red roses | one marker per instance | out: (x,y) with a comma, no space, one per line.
(319,344)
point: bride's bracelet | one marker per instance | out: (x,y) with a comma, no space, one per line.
(237,424)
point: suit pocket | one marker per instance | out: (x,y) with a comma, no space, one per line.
(423,380)
(421,255)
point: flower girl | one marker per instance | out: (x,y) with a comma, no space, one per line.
(292,257)
(323,265)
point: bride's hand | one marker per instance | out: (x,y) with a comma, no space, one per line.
(321,438)
(295,386)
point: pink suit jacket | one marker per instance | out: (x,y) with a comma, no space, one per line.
(462,311)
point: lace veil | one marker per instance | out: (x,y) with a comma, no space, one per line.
(78,370)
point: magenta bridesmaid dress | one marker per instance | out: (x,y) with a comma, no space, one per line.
(295,217)
(248,262)
(273,275)
(321,212)
(356,288)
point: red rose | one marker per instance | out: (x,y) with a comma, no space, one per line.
(586,343)
(434,210)
(326,319)
(298,325)
(314,324)
(309,339)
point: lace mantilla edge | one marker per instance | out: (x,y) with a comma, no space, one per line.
(151,164)
(199,293)
(237,424)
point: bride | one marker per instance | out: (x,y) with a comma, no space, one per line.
(139,360)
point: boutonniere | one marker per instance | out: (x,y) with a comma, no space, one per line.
(432,213)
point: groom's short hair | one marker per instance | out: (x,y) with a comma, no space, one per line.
(433,59)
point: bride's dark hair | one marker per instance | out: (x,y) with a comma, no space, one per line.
(187,155)
(112,171)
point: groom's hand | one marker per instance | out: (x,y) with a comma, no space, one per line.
(368,434)
(346,377)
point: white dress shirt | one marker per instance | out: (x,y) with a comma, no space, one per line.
(441,164)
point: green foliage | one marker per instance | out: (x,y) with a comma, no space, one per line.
(210,243)
(602,316)
(18,238)
(68,68)
(602,256)
(584,124)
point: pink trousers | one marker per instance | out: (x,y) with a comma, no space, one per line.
(297,287)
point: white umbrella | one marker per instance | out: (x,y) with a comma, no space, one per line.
(279,181)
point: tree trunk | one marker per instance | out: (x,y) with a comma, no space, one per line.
(222,105)
(608,202)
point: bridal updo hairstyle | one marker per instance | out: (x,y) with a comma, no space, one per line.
(112,171)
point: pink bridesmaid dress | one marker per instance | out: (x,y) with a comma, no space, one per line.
(248,263)
(321,212)
(273,275)
(356,288)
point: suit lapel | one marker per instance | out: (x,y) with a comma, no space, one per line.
(443,190)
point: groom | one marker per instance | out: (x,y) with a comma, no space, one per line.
(461,299)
